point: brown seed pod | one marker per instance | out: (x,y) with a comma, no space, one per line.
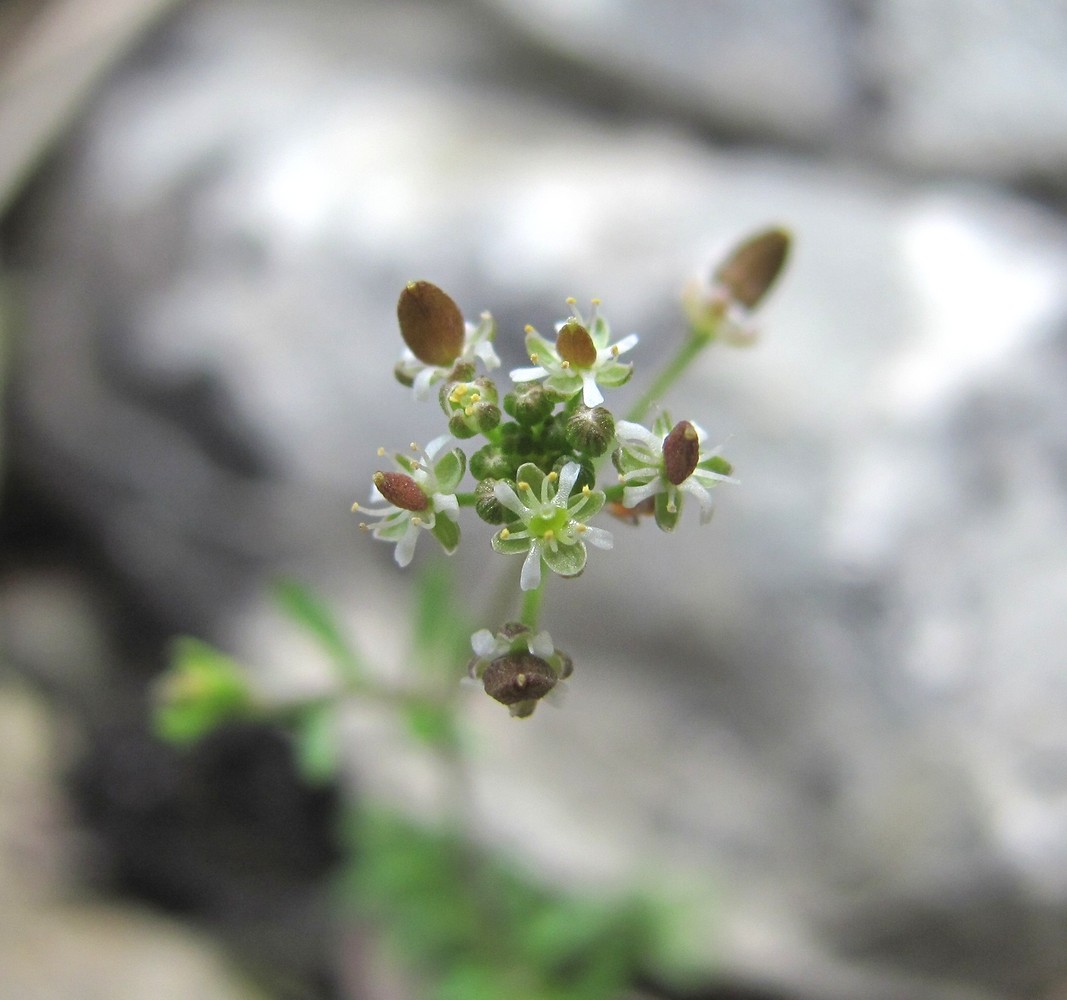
(517,677)
(681,452)
(430,323)
(575,345)
(751,269)
(401,490)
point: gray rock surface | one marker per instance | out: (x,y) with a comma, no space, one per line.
(841,706)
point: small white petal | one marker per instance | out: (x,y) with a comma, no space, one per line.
(630,433)
(530,577)
(541,645)
(527,374)
(591,394)
(422,386)
(601,538)
(484,350)
(704,498)
(484,643)
(568,476)
(436,445)
(405,548)
(624,345)
(509,498)
(447,504)
(633,495)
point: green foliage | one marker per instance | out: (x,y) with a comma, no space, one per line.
(202,689)
(475,927)
(306,610)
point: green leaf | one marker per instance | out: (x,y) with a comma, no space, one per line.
(432,724)
(446,531)
(312,614)
(566,560)
(317,749)
(202,689)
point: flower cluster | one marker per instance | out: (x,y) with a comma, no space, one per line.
(538,453)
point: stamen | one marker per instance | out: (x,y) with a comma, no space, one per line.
(552,476)
(523,485)
(571,301)
(381,453)
(504,534)
(355,506)
(586,490)
(565,364)
(535,359)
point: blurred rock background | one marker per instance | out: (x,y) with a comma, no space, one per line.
(842,707)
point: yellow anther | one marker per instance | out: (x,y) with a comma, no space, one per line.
(571,301)
(504,534)
(535,359)
(553,476)
(614,350)
(565,364)
(595,302)
(586,490)
(523,485)
(582,528)
(549,535)
(468,411)
(529,329)
(672,507)
(476,397)
(355,506)
(413,446)
(381,453)
(416,520)
(364,526)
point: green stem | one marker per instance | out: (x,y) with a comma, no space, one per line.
(670,374)
(531,604)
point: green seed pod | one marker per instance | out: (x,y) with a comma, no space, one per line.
(590,430)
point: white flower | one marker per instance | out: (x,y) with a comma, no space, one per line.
(666,465)
(581,358)
(420,494)
(551,525)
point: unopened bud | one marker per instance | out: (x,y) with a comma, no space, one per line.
(591,430)
(401,491)
(486,505)
(528,403)
(751,269)
(430,323)
(681,452)
(490,462)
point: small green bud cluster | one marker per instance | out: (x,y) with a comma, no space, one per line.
(537,453)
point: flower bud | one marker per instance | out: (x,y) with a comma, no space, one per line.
(528,403)
(681,452)
(430,323)
(751,269)
(590,430)
(401,491)
(471,406)
(486,505)
(490,462)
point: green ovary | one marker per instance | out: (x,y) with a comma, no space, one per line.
(552,518)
